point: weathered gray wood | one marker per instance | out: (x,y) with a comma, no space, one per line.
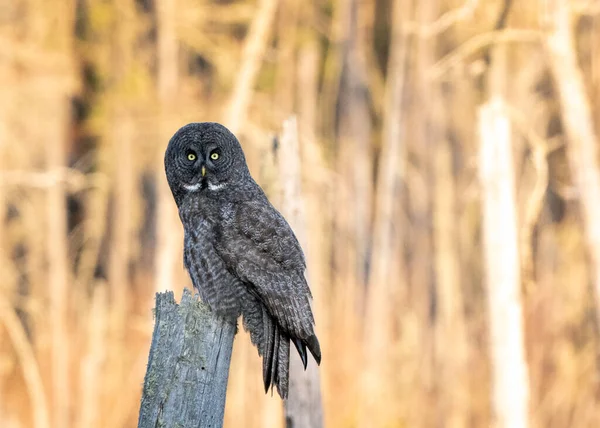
(188,366)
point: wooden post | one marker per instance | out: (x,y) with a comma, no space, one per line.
(188,365)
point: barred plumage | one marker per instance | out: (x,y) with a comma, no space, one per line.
(241,254)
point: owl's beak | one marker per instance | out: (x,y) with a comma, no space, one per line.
(203,170)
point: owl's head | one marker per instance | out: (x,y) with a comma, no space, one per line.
(204,157)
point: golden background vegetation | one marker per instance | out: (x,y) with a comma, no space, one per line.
(386,95)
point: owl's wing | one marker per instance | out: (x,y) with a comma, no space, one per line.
(261,249)
(270,232)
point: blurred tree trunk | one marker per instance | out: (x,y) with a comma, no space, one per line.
(169,234)
(510,389)
(352,199)
(462,131)
(303,408)
(58,274)
(449,322)
(121,140)
(58,271)
(55,100)
(256,43)
(450,368)
(510,379)
(90,384)
(419,182)
(582,148)
(387,246)
(121,224)
(118,160)
(287,30)
(353,162)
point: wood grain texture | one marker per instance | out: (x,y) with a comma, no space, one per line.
(188,366)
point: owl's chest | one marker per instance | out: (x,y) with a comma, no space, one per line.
(215,282)
(202,233)
(205,216)
(204,220)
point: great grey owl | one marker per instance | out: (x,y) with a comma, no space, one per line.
(241,254)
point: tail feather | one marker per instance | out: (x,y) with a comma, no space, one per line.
(283,365)
(313,346)
(276,356)
(269,350)
(301,347)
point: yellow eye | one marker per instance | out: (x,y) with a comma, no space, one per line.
(191,157)
(214,156)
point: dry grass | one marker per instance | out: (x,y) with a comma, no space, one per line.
(385,93)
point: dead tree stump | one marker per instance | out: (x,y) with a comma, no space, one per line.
(188,365)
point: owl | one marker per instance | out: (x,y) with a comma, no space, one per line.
(241,254)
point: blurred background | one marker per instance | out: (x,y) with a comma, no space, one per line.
(448,161)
